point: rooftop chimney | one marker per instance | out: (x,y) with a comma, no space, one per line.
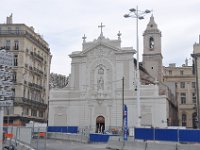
(172,65)
(31,27)
(186,62)
(9,19)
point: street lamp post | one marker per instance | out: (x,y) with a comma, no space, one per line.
(138,14)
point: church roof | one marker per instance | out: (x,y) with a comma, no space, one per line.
(105,42)
(115,45)
(152,26)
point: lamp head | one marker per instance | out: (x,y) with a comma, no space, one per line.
(141,17)
(147,11)
(126,16)
(132,10)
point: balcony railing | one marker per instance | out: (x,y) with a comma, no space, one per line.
(36,86)
(28,102)
(25,33)
(38,71)
(37,56)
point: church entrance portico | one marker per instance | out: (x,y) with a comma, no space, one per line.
(100,124)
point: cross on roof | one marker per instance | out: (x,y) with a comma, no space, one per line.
(84,37)
(119,34)
(101,26)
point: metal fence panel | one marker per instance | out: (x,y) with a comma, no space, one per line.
(22,134)
(144,133)
(25,135)
(99,137)
(65,129)
(173,135)
(166,135)
(189,135)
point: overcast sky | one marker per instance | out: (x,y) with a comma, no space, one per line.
(62,23)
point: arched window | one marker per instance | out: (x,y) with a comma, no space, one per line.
(151,42)
(184,119)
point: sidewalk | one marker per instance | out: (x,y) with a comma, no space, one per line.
(114,143)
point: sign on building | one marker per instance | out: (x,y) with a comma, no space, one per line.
(6,103)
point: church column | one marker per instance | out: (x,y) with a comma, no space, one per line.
(90,119)
(109,107)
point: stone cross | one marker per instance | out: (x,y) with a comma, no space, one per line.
(101,26)
(119,34)
(84,37)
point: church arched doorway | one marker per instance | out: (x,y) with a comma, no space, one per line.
(100,124)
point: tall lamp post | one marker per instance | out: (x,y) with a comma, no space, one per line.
(139,15)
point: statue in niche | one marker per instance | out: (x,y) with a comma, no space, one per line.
(100,84)
(100,81)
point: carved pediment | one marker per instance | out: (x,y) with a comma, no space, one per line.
(100,52)
(102,46)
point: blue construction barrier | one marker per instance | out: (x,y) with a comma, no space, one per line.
(166,135)
(64,129)
(173,135)
(189,135)
(95,137)
(144,133)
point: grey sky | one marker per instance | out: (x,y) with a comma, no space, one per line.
(63,23)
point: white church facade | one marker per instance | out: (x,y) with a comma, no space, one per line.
(93,97)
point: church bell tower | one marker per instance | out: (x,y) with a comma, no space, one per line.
(152,55)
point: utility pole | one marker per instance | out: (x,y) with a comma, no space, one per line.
(138,15)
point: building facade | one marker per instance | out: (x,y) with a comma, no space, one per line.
(31,72)
(196,60)
(178,81)
(152,63)
(182,81)
(94,95)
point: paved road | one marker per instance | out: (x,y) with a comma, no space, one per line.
(66,145)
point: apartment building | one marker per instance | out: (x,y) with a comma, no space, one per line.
(183,82)
(196,60)
(31,73)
